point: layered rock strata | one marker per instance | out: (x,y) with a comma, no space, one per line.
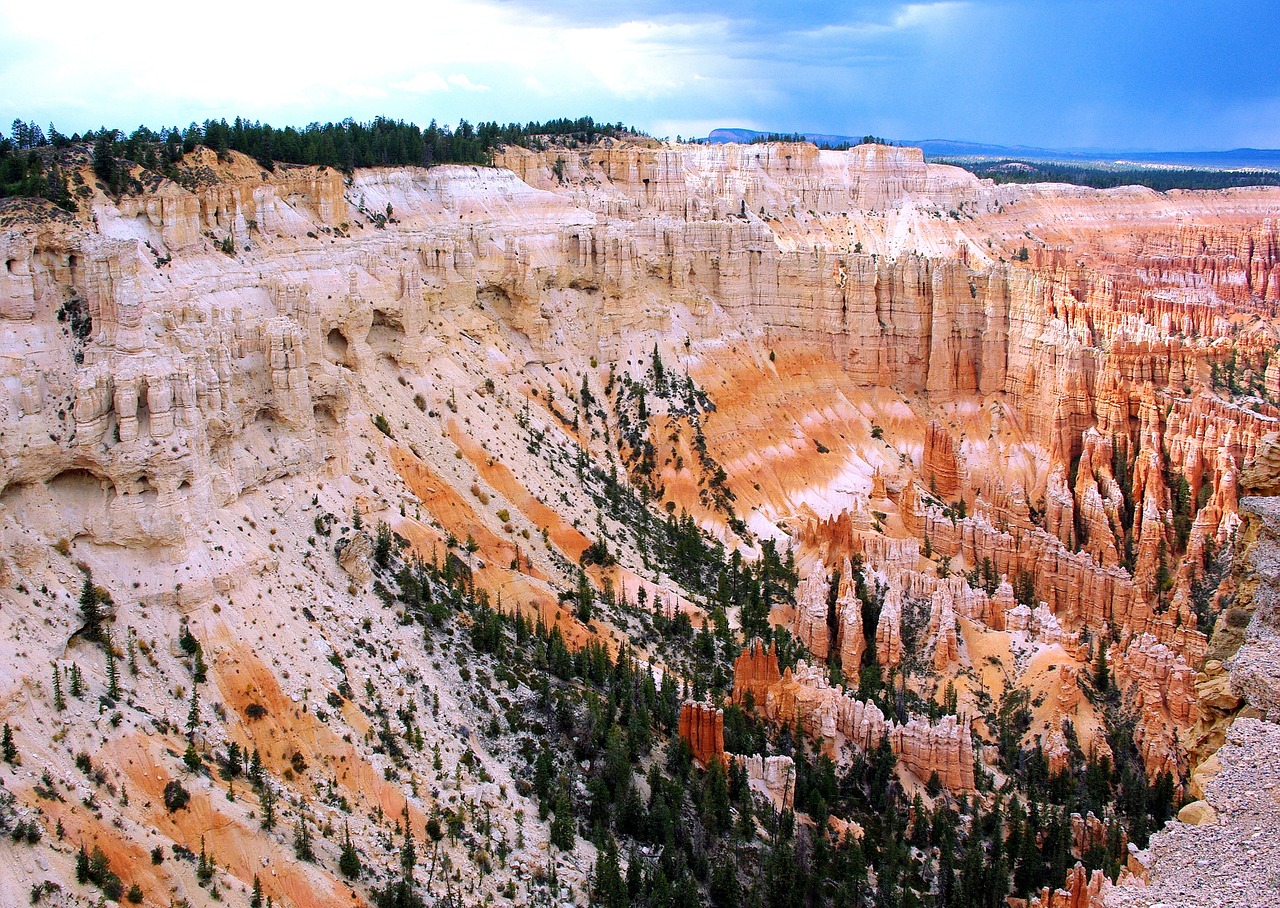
(835,719)
(191,367)
(702,728)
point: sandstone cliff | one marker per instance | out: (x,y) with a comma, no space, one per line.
(206,383)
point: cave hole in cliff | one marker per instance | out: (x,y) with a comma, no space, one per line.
(385,334)
(326,419)
(144,413)
(335,347)
(8,265)
(81,488)
(144,491)
(495,298)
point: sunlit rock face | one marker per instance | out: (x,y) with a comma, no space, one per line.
(998,429)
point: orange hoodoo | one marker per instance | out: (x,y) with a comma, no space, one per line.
(755,671)
(702,725)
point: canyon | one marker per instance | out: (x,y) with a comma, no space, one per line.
(1013,443)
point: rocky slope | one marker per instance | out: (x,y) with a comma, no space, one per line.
(1011,419)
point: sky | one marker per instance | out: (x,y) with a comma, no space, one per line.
(1145,75)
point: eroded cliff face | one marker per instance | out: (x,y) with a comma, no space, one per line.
(1025,457)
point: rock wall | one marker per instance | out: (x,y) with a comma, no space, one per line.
(836,719)
(702,728)
(185,364)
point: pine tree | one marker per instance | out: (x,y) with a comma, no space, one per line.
(302,839)
(781,872)
(562,831)
(59,703)
(349,860)
(90,608)
(715,800)
(255,769)
(267,802)
(408,851)
(204,867)
(255,900)
(193,716)
(585,598)
(745,828)
(113,673)
(1101,673)
(8,748)
(82,865)
(77,682)
(607,887)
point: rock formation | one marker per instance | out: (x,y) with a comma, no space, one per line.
(940,468)
(702,727)
(1015,459)
(774,777)
(836,718)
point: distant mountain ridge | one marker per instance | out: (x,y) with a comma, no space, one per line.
(1268,158)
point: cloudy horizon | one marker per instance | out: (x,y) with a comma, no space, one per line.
(1148,76)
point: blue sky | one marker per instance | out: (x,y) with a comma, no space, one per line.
(1171,75)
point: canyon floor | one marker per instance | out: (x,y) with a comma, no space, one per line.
(638,523)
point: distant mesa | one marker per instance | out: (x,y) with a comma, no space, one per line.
(1260,158)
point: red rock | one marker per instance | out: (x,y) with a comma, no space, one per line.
(755,672)
(702,726)
(837,719)
(1083,889)
(940,470)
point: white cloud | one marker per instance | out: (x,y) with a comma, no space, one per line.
(927,15)
(907,18)
(422,84)
(458,80)
(127,69)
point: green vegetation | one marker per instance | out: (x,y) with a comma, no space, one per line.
(832,146)
(8,749)
(176,797)
(32,163)
(29,169)
(94,867)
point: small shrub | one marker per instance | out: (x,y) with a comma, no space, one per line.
(175,798)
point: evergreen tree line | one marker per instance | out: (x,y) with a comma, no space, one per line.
(1161,179)
(830,146)
(28,169)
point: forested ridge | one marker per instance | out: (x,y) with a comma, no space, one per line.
(32,162)
(1106,176)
